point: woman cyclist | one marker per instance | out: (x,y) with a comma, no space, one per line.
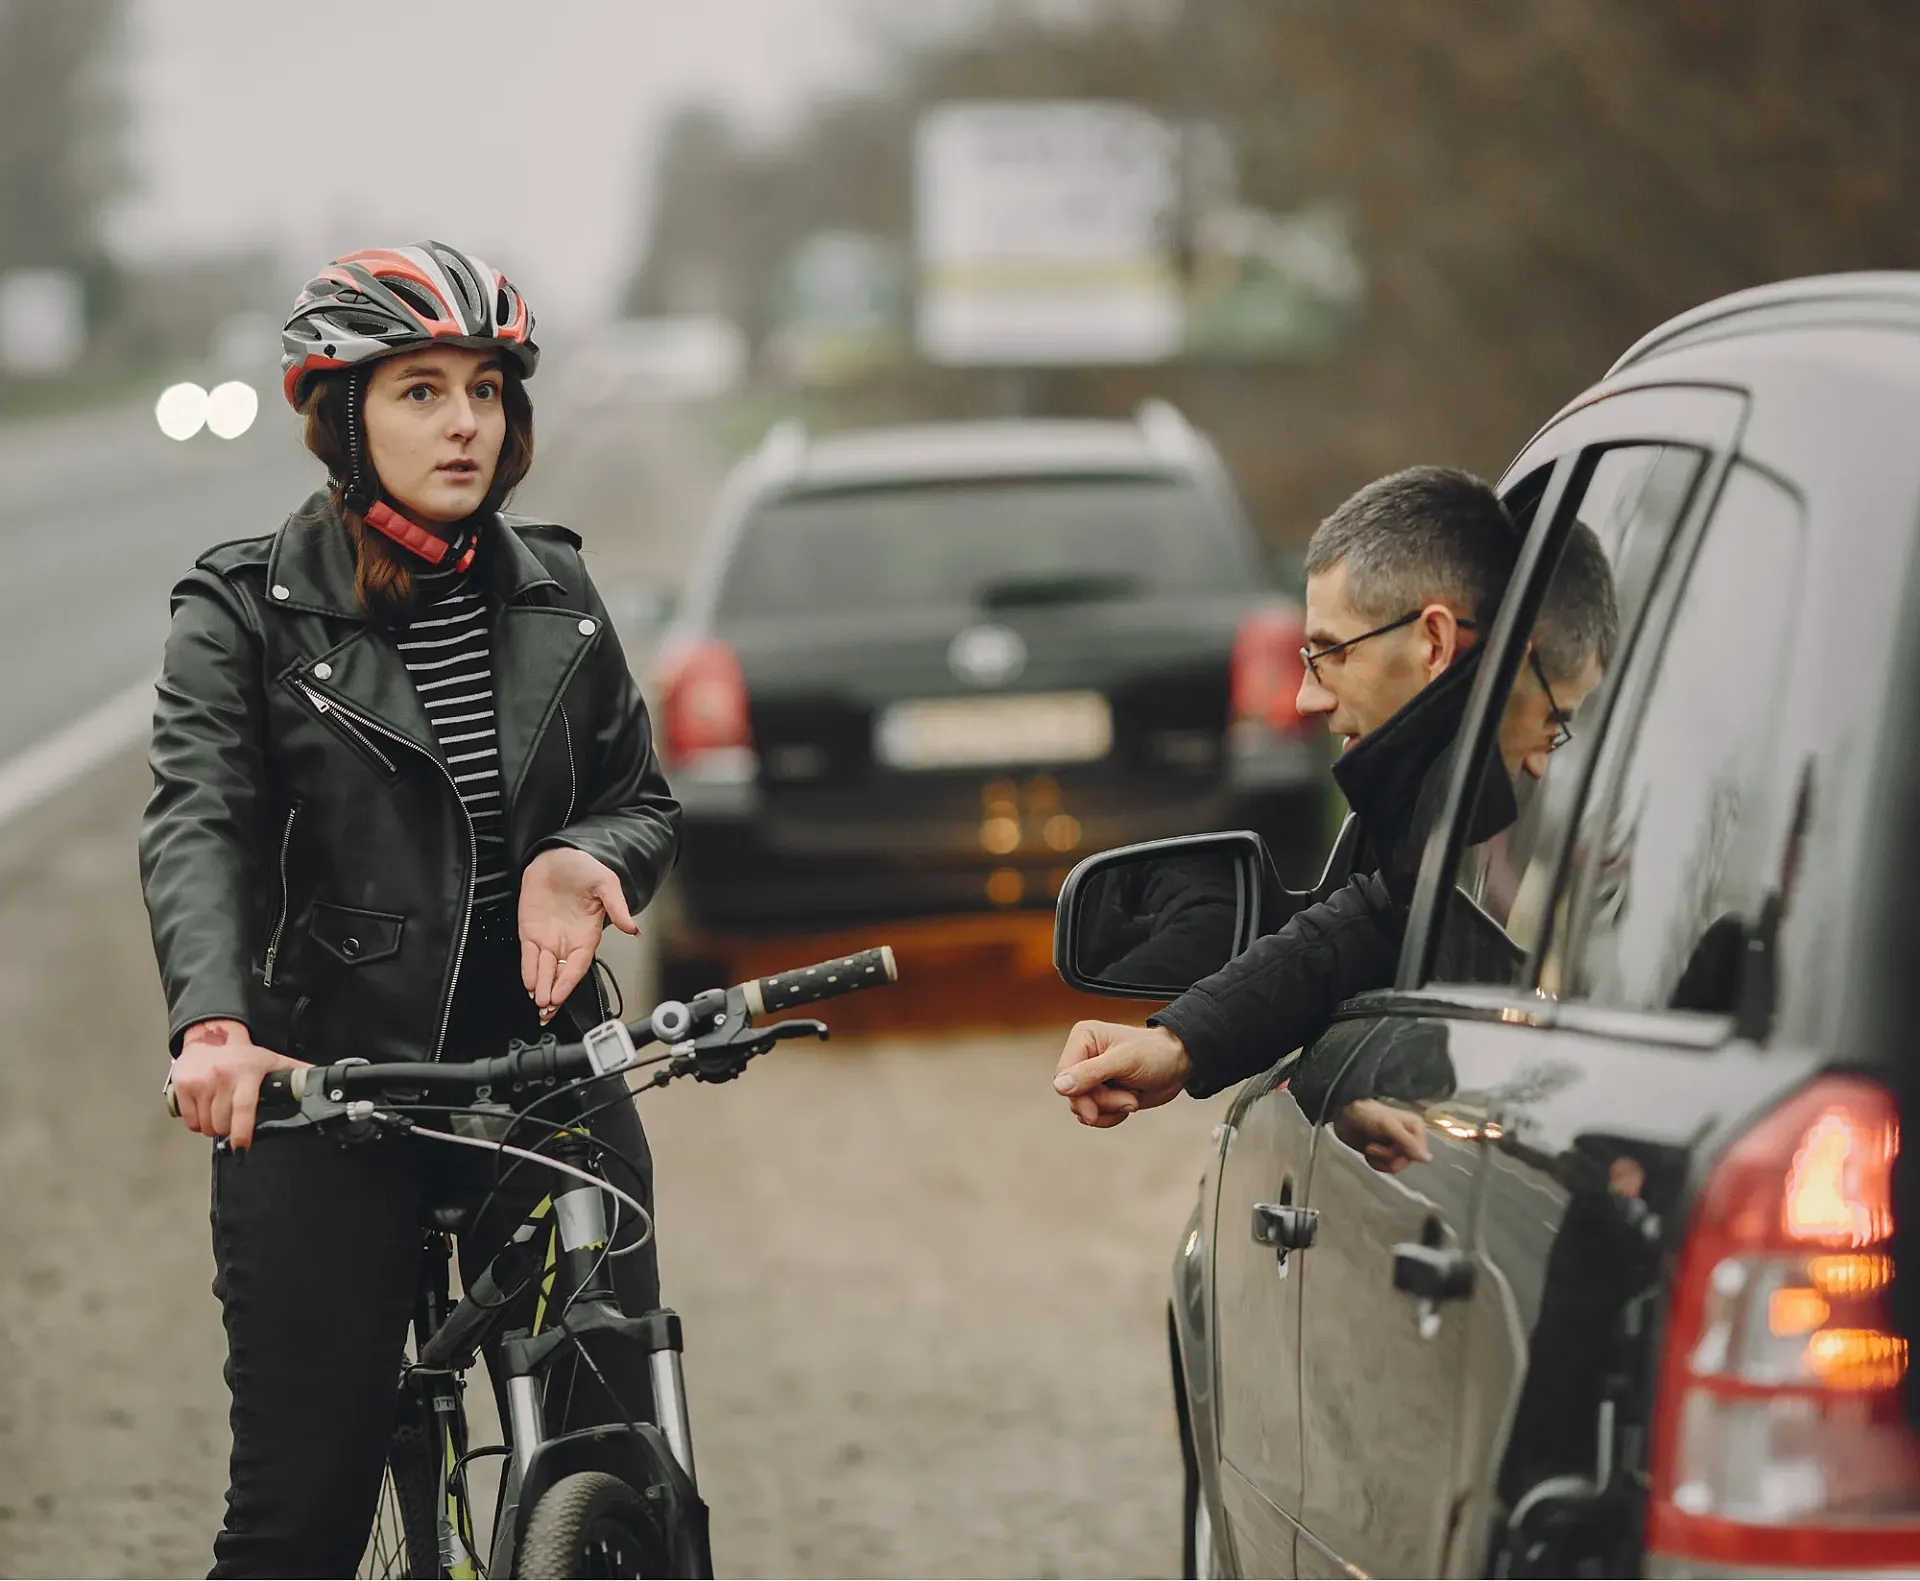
(402,780)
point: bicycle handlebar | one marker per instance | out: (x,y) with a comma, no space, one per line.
(717,1023)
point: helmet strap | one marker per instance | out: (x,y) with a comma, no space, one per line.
(432,548)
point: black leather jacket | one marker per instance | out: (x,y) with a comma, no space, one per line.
(308,867)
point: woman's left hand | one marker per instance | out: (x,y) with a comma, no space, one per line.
(566,900)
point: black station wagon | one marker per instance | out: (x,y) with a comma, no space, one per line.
(923,669)
(1632,1316)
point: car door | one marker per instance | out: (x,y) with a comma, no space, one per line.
(1380,1344)
(1265,1146)
(1394,1278)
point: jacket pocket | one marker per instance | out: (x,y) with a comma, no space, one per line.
(355,937)
(361,742)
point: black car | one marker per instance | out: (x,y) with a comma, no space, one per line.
(923,669)
(1632,1316)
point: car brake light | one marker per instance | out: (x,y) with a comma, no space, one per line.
(1779,1437)
(1266,670)
(704,704)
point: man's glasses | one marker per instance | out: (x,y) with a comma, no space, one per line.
(1311,657)
(1558,717)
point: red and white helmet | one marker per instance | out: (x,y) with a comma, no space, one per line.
(374,303)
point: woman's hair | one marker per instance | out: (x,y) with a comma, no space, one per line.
(383,572)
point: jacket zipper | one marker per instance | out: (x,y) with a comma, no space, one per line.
(286,900)
(473,857)
(573,783)
(346,721)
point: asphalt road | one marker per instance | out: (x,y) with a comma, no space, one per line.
(99,516)
(925,1310)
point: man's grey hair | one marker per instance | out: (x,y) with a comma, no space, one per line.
(1580,617)
(1426,535)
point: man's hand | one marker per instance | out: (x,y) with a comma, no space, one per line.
(1107,1071)
(216,1079)
(566,899)
(1389,1138)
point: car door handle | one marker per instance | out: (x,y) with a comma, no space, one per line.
(1284,1227)
(1433,1273)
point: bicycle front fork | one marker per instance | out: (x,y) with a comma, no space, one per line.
(581,1223)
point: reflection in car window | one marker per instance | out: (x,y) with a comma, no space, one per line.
(1633,499)
(1010,540)
(1678,856)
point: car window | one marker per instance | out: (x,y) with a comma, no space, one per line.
(1687,846)
(1628,501)
(997,543)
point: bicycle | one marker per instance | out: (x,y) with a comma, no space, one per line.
(619,1499)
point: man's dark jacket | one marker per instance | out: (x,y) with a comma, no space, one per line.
(307,863)
(1281,993)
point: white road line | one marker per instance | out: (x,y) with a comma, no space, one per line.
(57,762)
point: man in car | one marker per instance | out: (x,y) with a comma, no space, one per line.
(1401,579)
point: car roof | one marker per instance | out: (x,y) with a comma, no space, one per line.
(988,448)
(1881,299)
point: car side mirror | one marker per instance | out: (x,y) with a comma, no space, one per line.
(1149,921)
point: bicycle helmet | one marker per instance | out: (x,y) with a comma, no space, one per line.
(382,300)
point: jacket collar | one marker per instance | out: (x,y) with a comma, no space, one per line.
(312,559)
(1395,776)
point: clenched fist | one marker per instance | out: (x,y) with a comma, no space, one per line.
(1107,1071)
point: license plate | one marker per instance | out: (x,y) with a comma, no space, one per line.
(982,732)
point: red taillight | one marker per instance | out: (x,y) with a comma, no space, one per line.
(1779,1438)
(703,704)
(1266,670)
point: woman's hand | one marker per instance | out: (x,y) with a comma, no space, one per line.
(566,899)
(216,1079)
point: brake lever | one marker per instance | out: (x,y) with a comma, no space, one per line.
(726,1057)
(347,1120)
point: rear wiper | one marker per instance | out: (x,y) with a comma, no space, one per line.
(1072,587)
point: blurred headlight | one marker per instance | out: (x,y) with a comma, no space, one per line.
(181,410)
(231,408)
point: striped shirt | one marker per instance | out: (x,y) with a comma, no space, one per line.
(449,653)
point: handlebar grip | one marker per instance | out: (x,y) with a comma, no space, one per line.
(277,1087)
(868,969)
(280,1088)
(280,1093)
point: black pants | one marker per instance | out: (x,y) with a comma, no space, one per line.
(317,1255)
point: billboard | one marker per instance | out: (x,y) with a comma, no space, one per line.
(1079,233)
(1045,233)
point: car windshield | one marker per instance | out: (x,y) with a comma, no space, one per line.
(996,544)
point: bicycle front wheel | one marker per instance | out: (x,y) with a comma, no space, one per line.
(591,1524)
(405,1540)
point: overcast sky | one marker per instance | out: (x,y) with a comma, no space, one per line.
(520,129)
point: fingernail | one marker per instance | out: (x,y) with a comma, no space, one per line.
(1063,1082)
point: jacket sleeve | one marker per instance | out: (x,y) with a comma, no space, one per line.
(627,817)
(1280,994)
(199,837)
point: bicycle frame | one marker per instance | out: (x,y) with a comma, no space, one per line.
(563,1243)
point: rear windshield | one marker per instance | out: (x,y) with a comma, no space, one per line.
(1002,540)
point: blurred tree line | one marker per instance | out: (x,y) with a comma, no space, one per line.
(63,123)
(1533,184)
